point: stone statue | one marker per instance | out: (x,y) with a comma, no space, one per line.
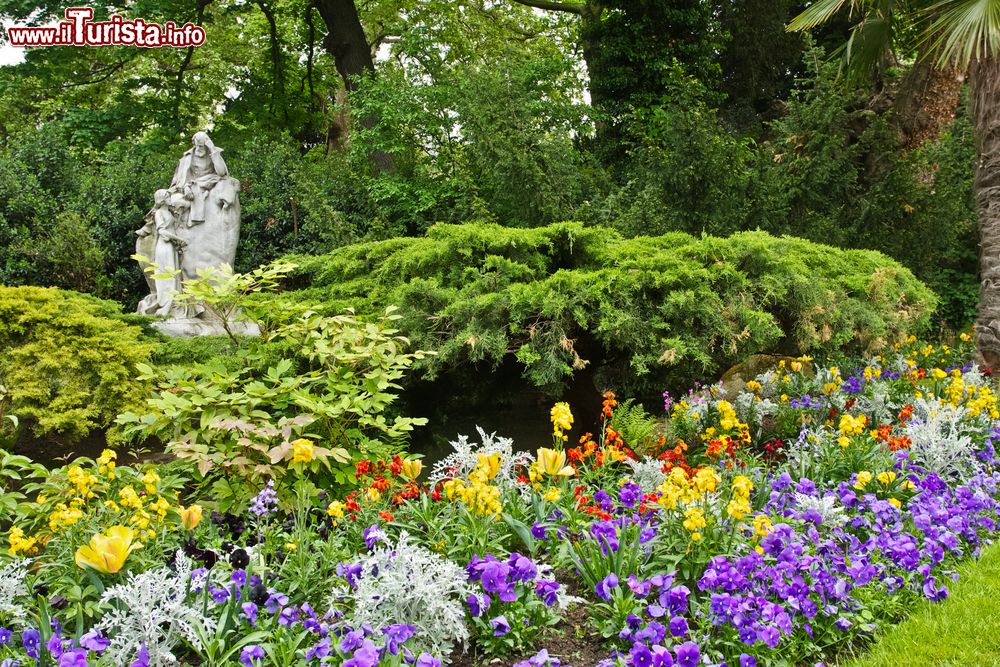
(193,226)
(159,242)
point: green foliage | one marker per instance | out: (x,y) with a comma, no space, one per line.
(939,634)
(687,173)
(68,360)
(644,312)
(66,253)
(630,50)
(835,173)
(336,387)
(638,429)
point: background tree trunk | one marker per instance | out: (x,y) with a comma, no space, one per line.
(927,99)
(985,107)
(346,42)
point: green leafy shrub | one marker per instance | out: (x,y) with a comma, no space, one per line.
(335,386)
(643,311)
(68,360)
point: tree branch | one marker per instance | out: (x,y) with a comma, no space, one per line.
(553,5)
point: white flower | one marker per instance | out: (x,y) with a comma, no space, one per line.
(151,608)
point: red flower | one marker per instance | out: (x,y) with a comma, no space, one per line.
(396,466)
(386,516)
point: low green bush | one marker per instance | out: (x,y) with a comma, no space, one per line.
(68,360)
(643,312)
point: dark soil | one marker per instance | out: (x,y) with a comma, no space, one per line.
(572,640)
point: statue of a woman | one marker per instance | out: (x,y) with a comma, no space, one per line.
(158,237)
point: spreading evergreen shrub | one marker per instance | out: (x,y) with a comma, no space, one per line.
(643,312)
(68,360)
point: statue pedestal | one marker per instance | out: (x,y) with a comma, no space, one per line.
(194,326)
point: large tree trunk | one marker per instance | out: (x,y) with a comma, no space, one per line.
(985,102)
(346,42)
(927,99)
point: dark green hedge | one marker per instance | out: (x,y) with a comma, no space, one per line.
(644,312)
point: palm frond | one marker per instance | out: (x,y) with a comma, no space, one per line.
(965,30)
(868,44)
(817,13)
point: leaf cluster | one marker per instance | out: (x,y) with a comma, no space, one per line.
(641,312)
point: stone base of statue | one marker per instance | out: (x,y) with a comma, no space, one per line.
(196,326)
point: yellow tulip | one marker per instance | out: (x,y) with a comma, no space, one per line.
(302,451)
(107,551)
(412,468)
(489,465)
(190,516)
(553,462)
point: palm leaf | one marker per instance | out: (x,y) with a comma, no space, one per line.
(965,29)
(817,13)
(868,44)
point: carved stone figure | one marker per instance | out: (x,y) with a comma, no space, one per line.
(194,226)
(159,241)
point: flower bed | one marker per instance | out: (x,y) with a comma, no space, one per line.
(781,524)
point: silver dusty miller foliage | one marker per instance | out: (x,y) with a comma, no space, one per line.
(151,608)
(13,588)
(407,583)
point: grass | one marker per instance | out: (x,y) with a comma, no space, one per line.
(962,630)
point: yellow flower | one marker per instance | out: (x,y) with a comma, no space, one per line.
(754,386)
(553,462)
(488,466)
(190,516)
(762,525)
(562,418)
(851,425)
(553,494)
(411,468)
(21,544)
(107,551)
(302,451)
(150,479)
(938,374)
(291,546)
(895,503)
(694,520)
(106,463)
(886,478)
(864,478)
(335,509)
(373,494)
(796,366)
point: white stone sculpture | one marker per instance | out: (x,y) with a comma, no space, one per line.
(194,226)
